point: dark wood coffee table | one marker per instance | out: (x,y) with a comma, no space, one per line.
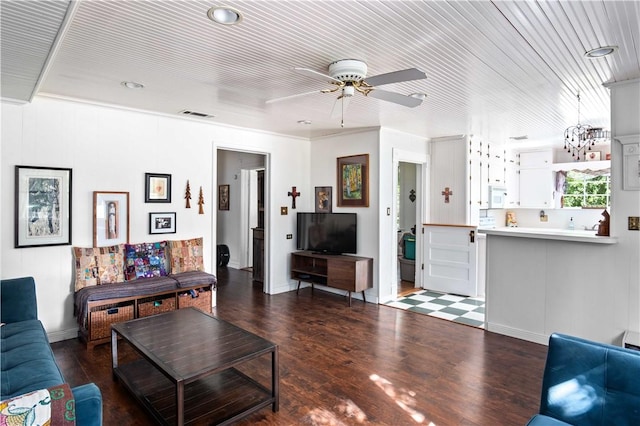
(187,372)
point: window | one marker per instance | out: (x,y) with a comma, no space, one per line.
(586,191)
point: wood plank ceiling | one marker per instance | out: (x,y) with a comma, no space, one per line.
(495,68)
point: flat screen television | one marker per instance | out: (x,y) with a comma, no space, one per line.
(330,233)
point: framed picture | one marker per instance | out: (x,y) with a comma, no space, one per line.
(42,206)
(162,223)
(353,181)
(223,197)
(157,188)
(110,218)
(592,156)
(323,199)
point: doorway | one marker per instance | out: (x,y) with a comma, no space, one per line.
(409,208)
(406,225)
(242,228)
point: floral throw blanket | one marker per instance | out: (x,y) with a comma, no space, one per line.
(48,407)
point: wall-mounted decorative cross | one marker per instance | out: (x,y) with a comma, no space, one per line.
(293,194)
(446,194)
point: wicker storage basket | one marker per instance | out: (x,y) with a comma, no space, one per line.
(101,318)
(156,305)
(202,302)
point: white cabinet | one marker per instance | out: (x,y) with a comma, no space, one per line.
(512,181)
(478,176)
(487,166)
(536,159)
(536,179)
(497,166)
(535,188)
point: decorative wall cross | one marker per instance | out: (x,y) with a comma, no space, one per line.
(446,194)
(293,194)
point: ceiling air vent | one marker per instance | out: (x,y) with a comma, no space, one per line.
(195,114)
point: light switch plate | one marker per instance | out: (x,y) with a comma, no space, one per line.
(634,223)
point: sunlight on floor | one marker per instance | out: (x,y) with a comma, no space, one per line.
(324,417)
(404,398)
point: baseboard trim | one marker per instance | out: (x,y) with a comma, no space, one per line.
(58,336)
(518,333)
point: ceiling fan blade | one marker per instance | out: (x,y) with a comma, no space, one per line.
(286,98)
(396,98)
(316,75)
(396,77)
(340,106)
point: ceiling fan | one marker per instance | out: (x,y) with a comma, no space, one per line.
(350,76)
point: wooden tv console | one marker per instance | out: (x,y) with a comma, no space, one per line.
(350,273)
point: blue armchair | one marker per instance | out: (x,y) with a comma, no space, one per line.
(588,383)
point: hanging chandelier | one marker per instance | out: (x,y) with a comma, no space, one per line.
(581,137)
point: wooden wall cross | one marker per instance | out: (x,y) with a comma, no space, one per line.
(293,194)
(446,194)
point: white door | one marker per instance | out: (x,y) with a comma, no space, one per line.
(449,257)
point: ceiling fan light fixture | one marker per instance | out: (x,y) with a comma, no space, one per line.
(348,70)
(305,122)
(224,15)
(348,91)
(418,95)
(600,52)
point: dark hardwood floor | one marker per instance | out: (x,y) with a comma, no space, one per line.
(406,287)
(364,365)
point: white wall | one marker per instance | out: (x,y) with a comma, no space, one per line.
(110,150)
(625,110)
(395,147)
(449,170)
(288,162)
(324,152)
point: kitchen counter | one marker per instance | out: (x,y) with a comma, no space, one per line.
(551,234)
(452,225)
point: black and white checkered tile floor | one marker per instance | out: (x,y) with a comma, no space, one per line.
(461,309)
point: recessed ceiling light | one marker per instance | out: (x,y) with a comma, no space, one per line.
(224,15)
(304,121)
(421,96)
(599,52)
(132,85)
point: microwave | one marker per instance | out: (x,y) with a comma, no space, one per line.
(497,196)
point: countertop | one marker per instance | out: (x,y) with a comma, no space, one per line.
(451,225)
(551,234)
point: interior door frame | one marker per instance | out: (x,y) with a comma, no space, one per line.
(267,284)
(248,185)
(422,206)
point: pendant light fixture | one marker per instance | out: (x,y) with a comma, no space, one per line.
(581,137)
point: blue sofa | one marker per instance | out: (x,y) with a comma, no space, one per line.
(588,383)
(26,359)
